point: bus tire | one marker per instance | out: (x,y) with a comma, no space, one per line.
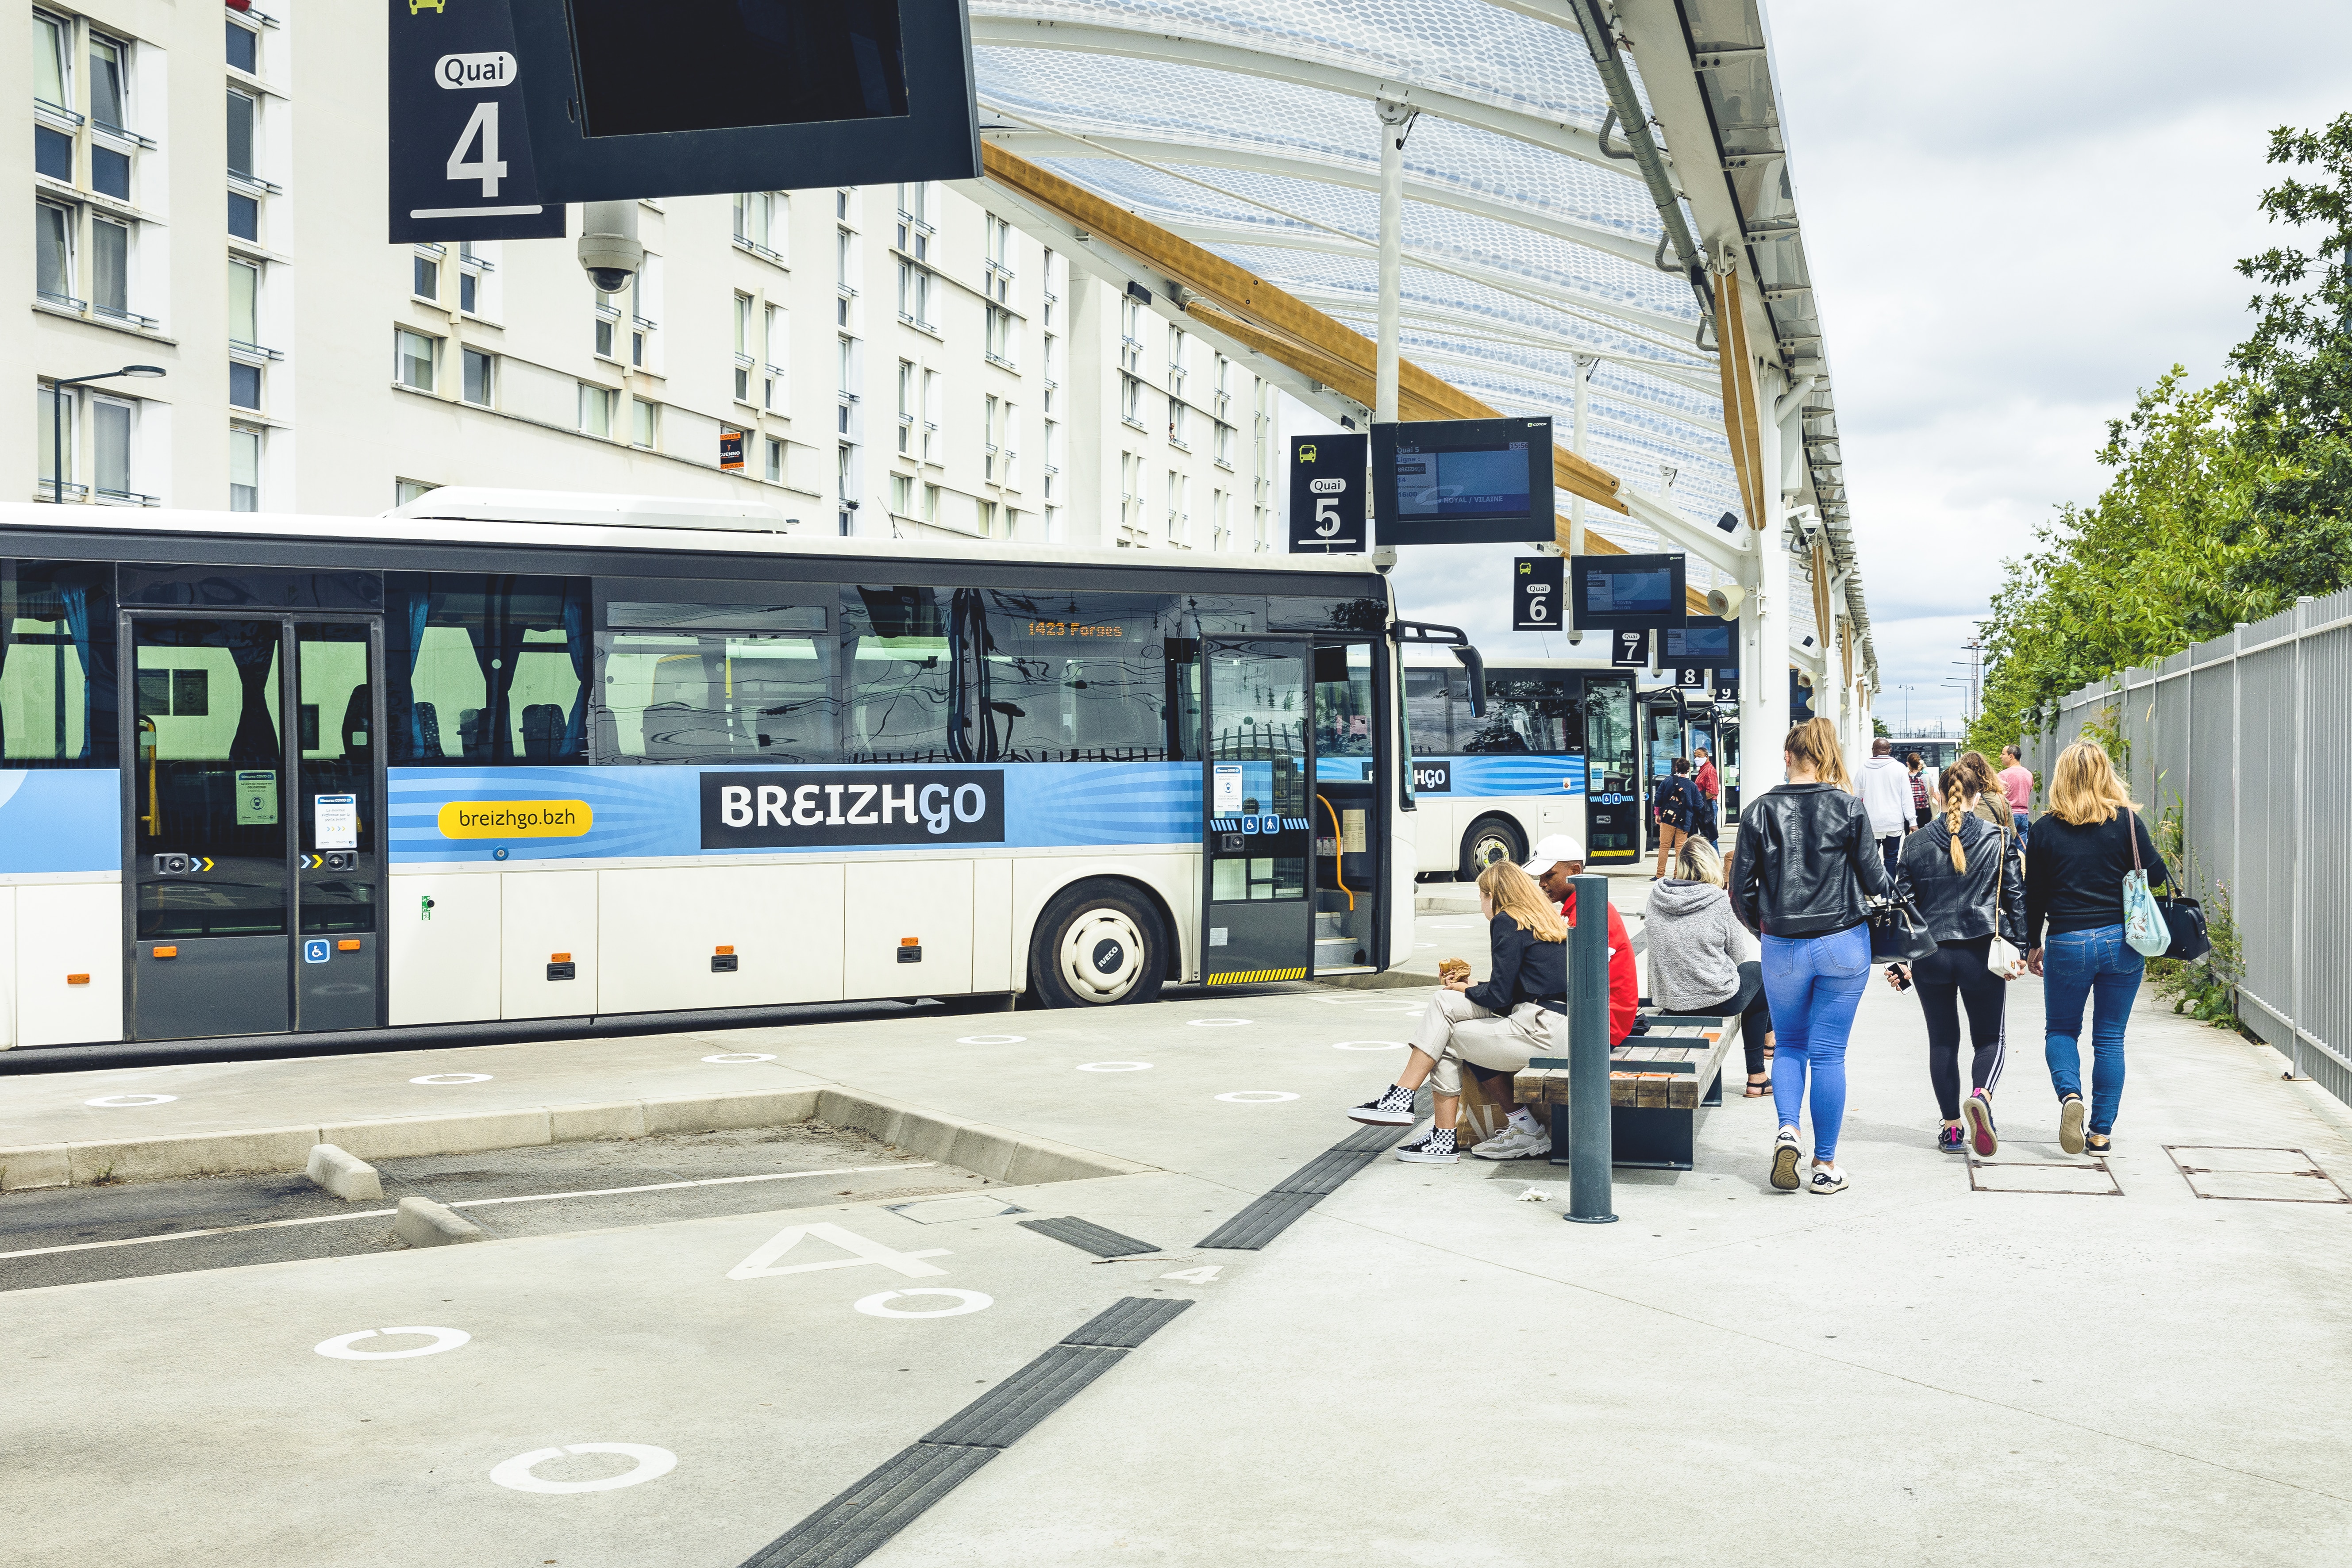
(1491,838)
(1097,945)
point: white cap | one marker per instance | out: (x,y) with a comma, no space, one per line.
(1553,849)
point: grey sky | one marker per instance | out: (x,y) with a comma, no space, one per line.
(2017,215)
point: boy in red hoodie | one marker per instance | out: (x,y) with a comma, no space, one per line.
(1557,859)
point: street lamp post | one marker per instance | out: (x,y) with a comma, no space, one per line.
(58,419)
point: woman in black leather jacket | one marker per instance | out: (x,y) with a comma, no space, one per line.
(1806,858)
(1968,880)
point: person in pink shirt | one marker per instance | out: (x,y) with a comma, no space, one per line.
(2018,785)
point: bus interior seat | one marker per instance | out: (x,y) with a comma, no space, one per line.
(359,722)
(472,740)
(428,732)
(543,731)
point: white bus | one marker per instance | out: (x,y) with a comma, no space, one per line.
(504,756)
(1556,751)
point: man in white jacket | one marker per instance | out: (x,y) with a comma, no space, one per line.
(1885,789)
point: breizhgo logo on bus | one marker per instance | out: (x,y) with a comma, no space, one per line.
(796,808)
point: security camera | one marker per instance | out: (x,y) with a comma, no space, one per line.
(1725,601)
(609,250)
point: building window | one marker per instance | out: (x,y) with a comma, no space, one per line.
(596,411)
(642,425)
(848,382)
(1179,428)
(1053,461)
(245,217)
(244,49)
(1130,339)
(110,437)
(108,57)
(243,386)
(775,461)
(1003,336)
(906,408)
(424,281)
(988,438)
(53,254)
(52,80)
(53,442)
(245,303)
(930,503)
(109,171)
(1130,401)
(987,519)
(743,362)
(243,469)
(759,225)
(778,349)
(53,155)
(414,358)
(1008,442)
(931,411)
(914,294)
(902,494)
(1220,522)
(243,118)
(479,383)
(406,490)
(997,271)
(109,267)
(914,220)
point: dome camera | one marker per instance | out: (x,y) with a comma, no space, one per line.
(609,251)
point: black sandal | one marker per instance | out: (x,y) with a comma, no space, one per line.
(1759,1085)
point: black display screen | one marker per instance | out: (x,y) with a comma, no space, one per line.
(715,65)
(1710,645)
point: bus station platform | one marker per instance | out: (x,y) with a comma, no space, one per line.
(2024,1358)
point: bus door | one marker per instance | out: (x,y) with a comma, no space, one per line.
(1259,905)
(254,849)
(1614,792)
(1351,852)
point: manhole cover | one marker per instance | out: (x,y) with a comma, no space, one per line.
(2254,1174)
(938,1210)
(2080,1180)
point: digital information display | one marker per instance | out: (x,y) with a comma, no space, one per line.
(1712,645)
(1463,481)
(1619,591)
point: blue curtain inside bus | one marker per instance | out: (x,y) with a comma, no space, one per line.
(488,668)
(57,664)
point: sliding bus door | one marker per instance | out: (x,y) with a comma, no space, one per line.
(1257,789)
(1614,793)
(254,860)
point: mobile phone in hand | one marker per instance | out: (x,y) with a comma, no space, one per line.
(1895,973)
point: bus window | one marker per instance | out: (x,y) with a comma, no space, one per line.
(714,696)
(57,664)
(1609,737)
(1343,701)
(486,669)
(897,675)
(1071,677)
(1428,714)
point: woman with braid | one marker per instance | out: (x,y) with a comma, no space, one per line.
(1968,880)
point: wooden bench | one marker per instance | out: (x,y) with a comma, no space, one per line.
(1658,1084)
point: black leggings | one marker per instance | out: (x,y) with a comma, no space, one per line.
(1755,1013)
(1954,975)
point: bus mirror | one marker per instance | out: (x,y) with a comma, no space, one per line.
(1476,665)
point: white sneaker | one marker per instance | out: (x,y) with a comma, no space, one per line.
(1827,1180)
(1514,1143)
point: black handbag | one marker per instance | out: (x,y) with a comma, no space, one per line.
(2185,919)
(1898,932)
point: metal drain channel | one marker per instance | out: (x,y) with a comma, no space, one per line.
(893,1495)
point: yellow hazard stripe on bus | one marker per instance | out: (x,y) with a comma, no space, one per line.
(1245,976)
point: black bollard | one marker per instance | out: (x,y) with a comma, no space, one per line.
(1589,1150)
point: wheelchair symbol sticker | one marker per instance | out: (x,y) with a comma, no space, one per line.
(315,951)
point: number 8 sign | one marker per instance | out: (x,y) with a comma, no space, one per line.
(461,164)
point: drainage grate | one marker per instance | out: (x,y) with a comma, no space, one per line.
(2242,1175)
(1087,1236)
(2087,1178)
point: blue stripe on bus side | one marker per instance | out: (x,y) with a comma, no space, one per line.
(1511,774)
(60,820)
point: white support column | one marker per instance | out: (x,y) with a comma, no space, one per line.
(1764,630)
(1396,118)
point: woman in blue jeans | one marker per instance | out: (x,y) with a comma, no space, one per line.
(1805,860)
(2083,850)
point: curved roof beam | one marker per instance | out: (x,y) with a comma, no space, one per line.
(1038,145)
(1142,44)
(1470,325)
(1267,236)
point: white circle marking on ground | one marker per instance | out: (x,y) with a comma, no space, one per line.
(652,1465)
(991,1039)
(879,1306)
(345,1347)
(1368,1045)
(730,1056)
(122,1101)
(1114,1067)
(1216,1023)
(453,1077)
(1256,1097)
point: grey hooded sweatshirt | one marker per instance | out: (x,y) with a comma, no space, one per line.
(1696,945)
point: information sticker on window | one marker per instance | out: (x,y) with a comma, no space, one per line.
(1229,789)
(335,822)
(257,797)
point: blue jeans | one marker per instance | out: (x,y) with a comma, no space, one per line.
(1814,984)
(2020,819)
(2099,966)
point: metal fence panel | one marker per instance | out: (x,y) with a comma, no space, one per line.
(2266,742)
(2323,840)
(2210,798)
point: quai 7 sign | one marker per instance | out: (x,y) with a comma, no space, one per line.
(460,141)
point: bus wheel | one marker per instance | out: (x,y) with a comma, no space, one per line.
(1097,943)
(1491,838)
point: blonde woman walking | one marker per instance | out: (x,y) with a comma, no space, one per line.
(2090,839)
(1493,1027)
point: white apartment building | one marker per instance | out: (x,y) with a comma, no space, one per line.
(208,197)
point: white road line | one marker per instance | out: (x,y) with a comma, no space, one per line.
(468,1203)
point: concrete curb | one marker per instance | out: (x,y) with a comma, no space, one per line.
(345,1176)
(424,1223)
(996,1151)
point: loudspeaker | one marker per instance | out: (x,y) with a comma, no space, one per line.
(1725,602)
